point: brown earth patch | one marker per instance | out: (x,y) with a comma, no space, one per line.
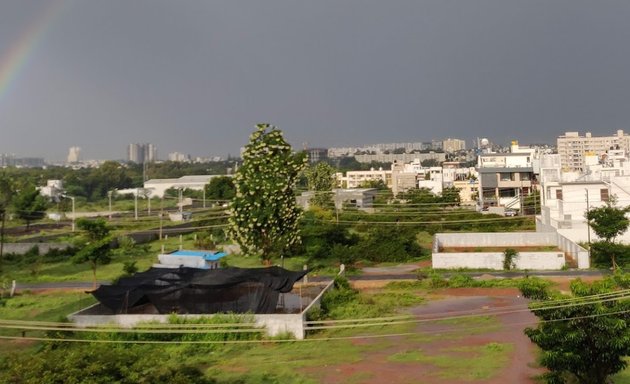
(436,338)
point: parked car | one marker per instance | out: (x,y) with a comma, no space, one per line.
(511,213)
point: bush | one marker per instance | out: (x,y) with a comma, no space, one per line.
(534,288)
(390,244)
(459,280)
(341,294)
(97,363)
(436,280)
(509,256)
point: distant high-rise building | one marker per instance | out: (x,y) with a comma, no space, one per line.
(453,145)
(150,153)
(74,154)
(315,155)
(176,156)
(141,153)
(573,148)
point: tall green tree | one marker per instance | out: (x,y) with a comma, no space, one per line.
(29,205)
(97,249)
(321,180)
(584,340)
(608,222)
(220,188)
(264,216)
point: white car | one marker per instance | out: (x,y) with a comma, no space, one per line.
(511,213)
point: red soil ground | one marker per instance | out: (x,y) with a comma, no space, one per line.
(375,367)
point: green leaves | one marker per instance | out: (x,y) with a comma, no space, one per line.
(584,339)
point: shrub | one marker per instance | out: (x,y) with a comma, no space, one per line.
(459,280)
(534,288)
(509,256)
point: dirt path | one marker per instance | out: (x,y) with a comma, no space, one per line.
(449,340)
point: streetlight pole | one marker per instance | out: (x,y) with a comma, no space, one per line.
(135,202)
(73,212)
(109,195)
(588,227)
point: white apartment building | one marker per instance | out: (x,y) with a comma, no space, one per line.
(573,148)
(354,179)
(505,178)
(567,194)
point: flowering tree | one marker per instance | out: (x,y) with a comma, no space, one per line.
(264,215)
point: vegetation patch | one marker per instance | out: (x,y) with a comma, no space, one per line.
(481,362)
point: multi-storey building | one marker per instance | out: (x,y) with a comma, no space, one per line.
(453,145)
(315,155)
(141,153)
(74,154)
(505,178)
(573,148)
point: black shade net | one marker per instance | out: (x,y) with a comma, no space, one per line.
(200,291)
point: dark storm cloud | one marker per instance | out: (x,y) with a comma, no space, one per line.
(195,76)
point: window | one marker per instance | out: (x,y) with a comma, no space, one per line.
(559,194)
(505,176)
(603,194)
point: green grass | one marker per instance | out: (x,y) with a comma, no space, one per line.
(468,363)
(44,306)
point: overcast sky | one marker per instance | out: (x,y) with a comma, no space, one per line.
(194,76)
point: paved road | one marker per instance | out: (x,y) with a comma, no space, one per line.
(364,277)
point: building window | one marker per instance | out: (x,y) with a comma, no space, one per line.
(525,176)
(559,194)
(505,176)
(603,193)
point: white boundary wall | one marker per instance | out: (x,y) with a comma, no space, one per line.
(275,324)
(494,260)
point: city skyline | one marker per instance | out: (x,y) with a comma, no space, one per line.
(196,77)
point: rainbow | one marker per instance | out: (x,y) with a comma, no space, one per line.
(16,57)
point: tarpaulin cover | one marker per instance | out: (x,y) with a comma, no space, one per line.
(191,290)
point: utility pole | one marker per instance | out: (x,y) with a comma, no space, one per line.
(109,195)
(161,213)
(135,200)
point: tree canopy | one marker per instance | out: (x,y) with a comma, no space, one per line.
(321,180)
(264,216)
(97,250)
(29,205)
(584,340)
(608,221)
(220,188)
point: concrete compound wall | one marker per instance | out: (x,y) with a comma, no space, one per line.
(494,260)
(22,248)
(567,240)
(275,324)
(495,239)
